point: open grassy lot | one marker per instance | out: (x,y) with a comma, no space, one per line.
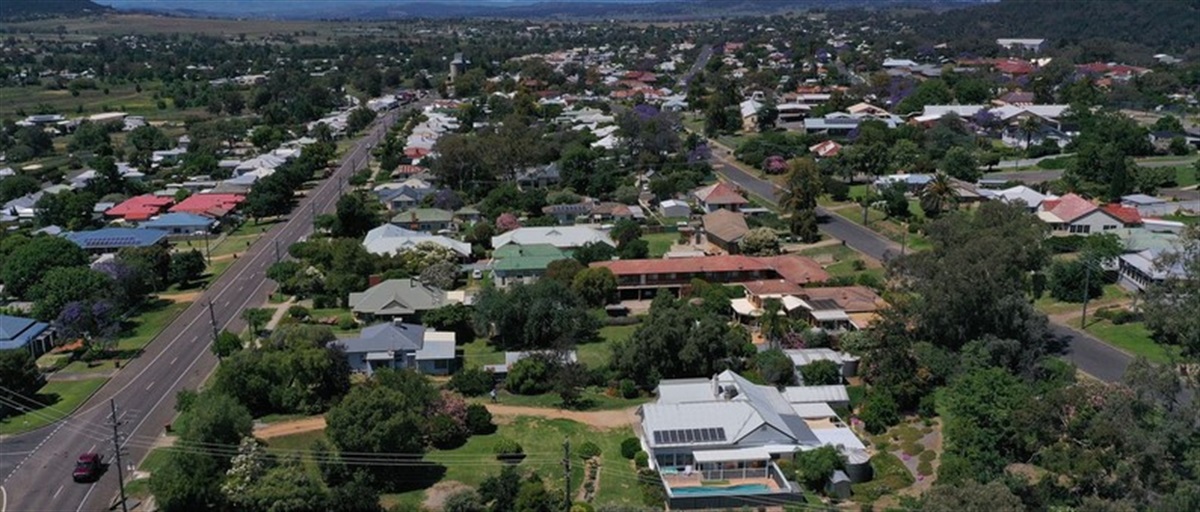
(140,488)
(1049,305)
(542,440)
(121,97)
(148,324)
(842,261)
(1133,337)
(1185,176)
(302,32)
(60,399)
(660,243)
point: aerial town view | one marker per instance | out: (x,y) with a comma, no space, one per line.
(599,255)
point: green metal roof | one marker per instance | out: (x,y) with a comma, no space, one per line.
(514,257)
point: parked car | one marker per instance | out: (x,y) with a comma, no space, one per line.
(88,467)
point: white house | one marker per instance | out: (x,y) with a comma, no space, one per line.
(399,346)
(674,208)
(729,429)
(563,237)
(1076,215)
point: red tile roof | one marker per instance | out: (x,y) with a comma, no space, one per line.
(209,205)
(140,207)
(1014,67)
(826,149)
(1125,214)
(720,193)
(795,269)
(773,287)
(409,169)
(852,299)
(1069,207)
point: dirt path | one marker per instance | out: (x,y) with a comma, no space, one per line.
(287,428)
(602,420)
(182,297)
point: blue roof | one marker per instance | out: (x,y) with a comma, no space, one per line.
(177,220)
(116,238)
(17,332)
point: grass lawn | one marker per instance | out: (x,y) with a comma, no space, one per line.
(1186,219)
(63,398)
(1051,306)
(1132,337)
(120,98)
(660,243)
(542,440)
(148,324)
(153,461)
(1185,176)
(890,476)
(76,367)
(593,398)
(300,445)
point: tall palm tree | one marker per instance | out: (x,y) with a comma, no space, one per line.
(939,195)
(773,323)
(1030,126)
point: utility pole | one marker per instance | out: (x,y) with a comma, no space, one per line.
(276,250)
(312,214)
(567,474)
(212,318)
(207,252)
(117,449)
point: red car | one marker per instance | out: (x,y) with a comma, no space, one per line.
(88,467)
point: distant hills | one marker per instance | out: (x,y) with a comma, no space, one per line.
(400,9)
(41,8)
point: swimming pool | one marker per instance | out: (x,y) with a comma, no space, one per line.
(730,490)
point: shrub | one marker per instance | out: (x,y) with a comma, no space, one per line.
(927,455)
(444,433)
(628,389)
(346,323)
(912,449)
(298,312)
(507,447)
(641,460)
(927,407)
(588,450)
(471,381)
(879,412)
(530,376)
(821,373)
(1123,316)
(1066,279)
(924,468)
(858,265)
(479,420)
(630,447)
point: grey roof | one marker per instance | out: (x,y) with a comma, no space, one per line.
(390,336)
(397,297)
(563,237)
(1141,199)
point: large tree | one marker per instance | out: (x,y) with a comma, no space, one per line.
(31,260)
(21,379)
(354,216)
(678,340)
(543,315)
(1171,306)
(803,186)
(378,419)
(63,285)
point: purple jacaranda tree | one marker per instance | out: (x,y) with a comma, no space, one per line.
(701,153)
(94,322)
(447,199)
(130,285)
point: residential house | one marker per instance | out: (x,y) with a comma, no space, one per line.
(834,308)
(399,346)
(827,149)
(22,208)
(913,183)
(106,240)
(1140,270)
(511,358)
(1024,45)
(1076,215)
(806,356)
(405,299)
(17,333)
(674,209)
(568,214)
(725,229)
(1031,198)
(216,206)
(180,224)
(840,124)
(468,215)
(140,208)
(749,110)
(719,196)
(643,278)
(728,429)
(402,196)
(562,237)
(390,239)
(429,220)
(539,177)
(519,263)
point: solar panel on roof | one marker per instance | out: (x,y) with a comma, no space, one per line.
(658,437)
(705,435)
(689,435)
(720,434)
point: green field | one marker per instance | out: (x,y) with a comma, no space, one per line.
(1051,306)
(542,441)
(1185,176)
(63,398)
(149,323)
(660,243)
(17,102)
(1132,337)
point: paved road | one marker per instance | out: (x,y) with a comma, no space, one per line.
(1086,352)
(144,391)
(701,60)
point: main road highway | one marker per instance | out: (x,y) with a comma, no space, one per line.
(1086,352)
(36,467)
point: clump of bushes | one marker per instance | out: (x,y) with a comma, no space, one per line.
(508,449)
(630,447)
(588,450)
(479,420)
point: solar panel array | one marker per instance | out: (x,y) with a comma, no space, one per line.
(118,241)
(691,435)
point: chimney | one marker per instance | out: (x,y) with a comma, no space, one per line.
(373,280)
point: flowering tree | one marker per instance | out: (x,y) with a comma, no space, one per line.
(775,164)
(507,222)
(95,322)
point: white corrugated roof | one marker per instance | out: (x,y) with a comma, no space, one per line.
(753,453)
(810,394)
